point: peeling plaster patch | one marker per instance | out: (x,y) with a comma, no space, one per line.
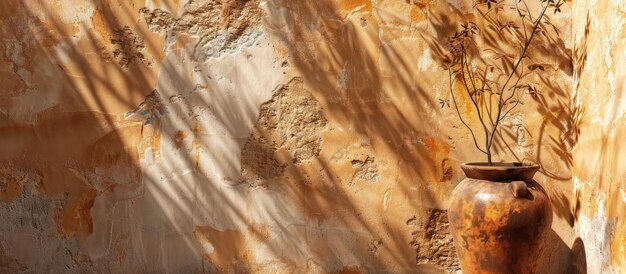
(129,47)
(14,50)
(365,170)
(222,26)
(597,233)
(258,161)
(292,120)
(222,44)
(147,111)
(374,246)
(74,11)
(433,241)
(26,233)
(29,211)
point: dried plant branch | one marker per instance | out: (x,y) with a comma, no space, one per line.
(519,61)
(504,78)
(464,63)
(456,106)
(530,16)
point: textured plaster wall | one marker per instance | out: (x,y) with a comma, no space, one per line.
(272,136)
(599,167)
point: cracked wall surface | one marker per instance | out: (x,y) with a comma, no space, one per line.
(183,136)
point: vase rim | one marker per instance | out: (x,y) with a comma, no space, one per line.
(499,165)
(499,171)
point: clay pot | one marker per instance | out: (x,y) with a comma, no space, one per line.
(498,217)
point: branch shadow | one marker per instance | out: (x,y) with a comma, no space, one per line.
(140,157)
(340,59)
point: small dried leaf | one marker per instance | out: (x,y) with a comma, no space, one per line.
(444,102)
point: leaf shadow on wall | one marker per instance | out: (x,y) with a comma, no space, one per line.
(83,153)
(132,181)
(340,63)
(60,140)
(135,216)
(562,117)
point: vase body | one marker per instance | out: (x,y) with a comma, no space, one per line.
(498,217)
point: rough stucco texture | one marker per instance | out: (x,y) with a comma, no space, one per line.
(280,136)
(600,170)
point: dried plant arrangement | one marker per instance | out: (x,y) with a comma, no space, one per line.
(488,59)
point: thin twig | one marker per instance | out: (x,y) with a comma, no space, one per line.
(515,85)
(469,93)
(530,16)
(524,20)
(488,107)
(526,45)
(456,106)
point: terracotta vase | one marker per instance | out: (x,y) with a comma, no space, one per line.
(498,217)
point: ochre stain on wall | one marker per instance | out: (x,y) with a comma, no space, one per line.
(179,138)
(350,5)
(228,247)
(76,218)
(62,170)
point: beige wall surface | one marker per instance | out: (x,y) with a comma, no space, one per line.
(599,168)
(282,136)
